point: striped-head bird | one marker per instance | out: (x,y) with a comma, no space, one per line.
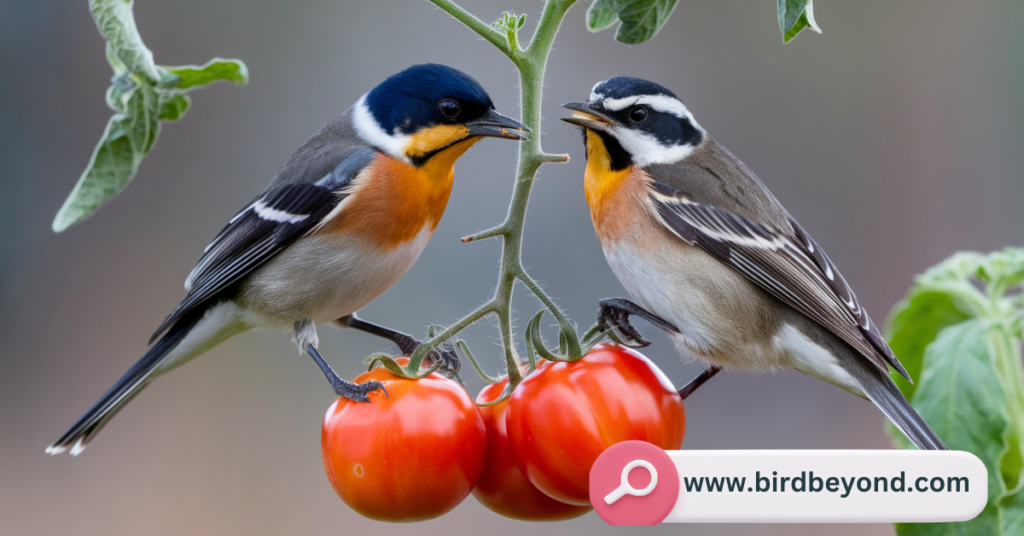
(713,258)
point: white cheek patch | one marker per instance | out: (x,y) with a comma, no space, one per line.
(646,149)
(372,133)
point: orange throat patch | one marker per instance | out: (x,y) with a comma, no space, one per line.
(392,201)
(616,198)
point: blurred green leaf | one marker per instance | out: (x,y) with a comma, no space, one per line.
(962,398)
(1012,507)
(174,108)
(794,16)
(214,70)
(959,331)
(913,325)
(641,19)
(142,94)
(601,15)
(129,135)
(116,22)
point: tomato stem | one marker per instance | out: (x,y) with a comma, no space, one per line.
(531,62)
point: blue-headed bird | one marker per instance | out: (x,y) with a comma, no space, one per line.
(342,221)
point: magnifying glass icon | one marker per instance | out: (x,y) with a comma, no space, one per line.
(624,487)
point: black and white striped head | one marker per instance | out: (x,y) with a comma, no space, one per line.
(640,122)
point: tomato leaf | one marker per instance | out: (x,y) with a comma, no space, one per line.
(794,16)
(129,135)
(601,15)
(913,325)
(174,108)
(116,22)
(962,398)
(1012,507)
(214,70)
(959,330)
(141,94)
(641,19)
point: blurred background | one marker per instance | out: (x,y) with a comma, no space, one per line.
(894,138)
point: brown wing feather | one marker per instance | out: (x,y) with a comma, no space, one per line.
(791,268)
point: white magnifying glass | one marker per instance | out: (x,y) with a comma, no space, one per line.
(624,487)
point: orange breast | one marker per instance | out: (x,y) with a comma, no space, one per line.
(616,198)
(391,201)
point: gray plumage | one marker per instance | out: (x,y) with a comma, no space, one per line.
(713,252)
(713,177)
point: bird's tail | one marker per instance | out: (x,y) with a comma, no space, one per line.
(881,390)
(123,391)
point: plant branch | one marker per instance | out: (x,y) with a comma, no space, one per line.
(480,27)
(421,352)
(531,63)
(574,350)
(550,20)
(489,233)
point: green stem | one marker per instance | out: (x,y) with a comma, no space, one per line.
(574,350)
(967,298)
(480,27)
(531,63)
(1006,350)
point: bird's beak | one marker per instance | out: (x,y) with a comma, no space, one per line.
(496,125)
(585,116)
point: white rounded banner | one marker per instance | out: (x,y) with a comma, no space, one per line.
(827,486)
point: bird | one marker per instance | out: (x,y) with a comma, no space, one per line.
(345,217)
(713,258)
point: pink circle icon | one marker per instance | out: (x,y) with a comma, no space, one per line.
(634,483)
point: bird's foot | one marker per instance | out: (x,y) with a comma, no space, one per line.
(356,391)
(614,314)
(349,390)
(407,344)
(445,354)
(450,362)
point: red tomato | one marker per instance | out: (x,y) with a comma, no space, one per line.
(561,418)
(410,455)
(502,486)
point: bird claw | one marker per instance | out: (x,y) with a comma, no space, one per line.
(612,316)
(357,391)
(450,362)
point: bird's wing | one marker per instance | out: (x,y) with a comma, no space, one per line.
(790,267)
(277,218)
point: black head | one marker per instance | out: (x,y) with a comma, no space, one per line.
(398,113)
(640,122)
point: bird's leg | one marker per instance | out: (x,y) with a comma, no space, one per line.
(406,343)
(689,388)
(614,313)
(349,390)
(306,339)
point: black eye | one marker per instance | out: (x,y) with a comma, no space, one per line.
(638,114)
(449,108)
